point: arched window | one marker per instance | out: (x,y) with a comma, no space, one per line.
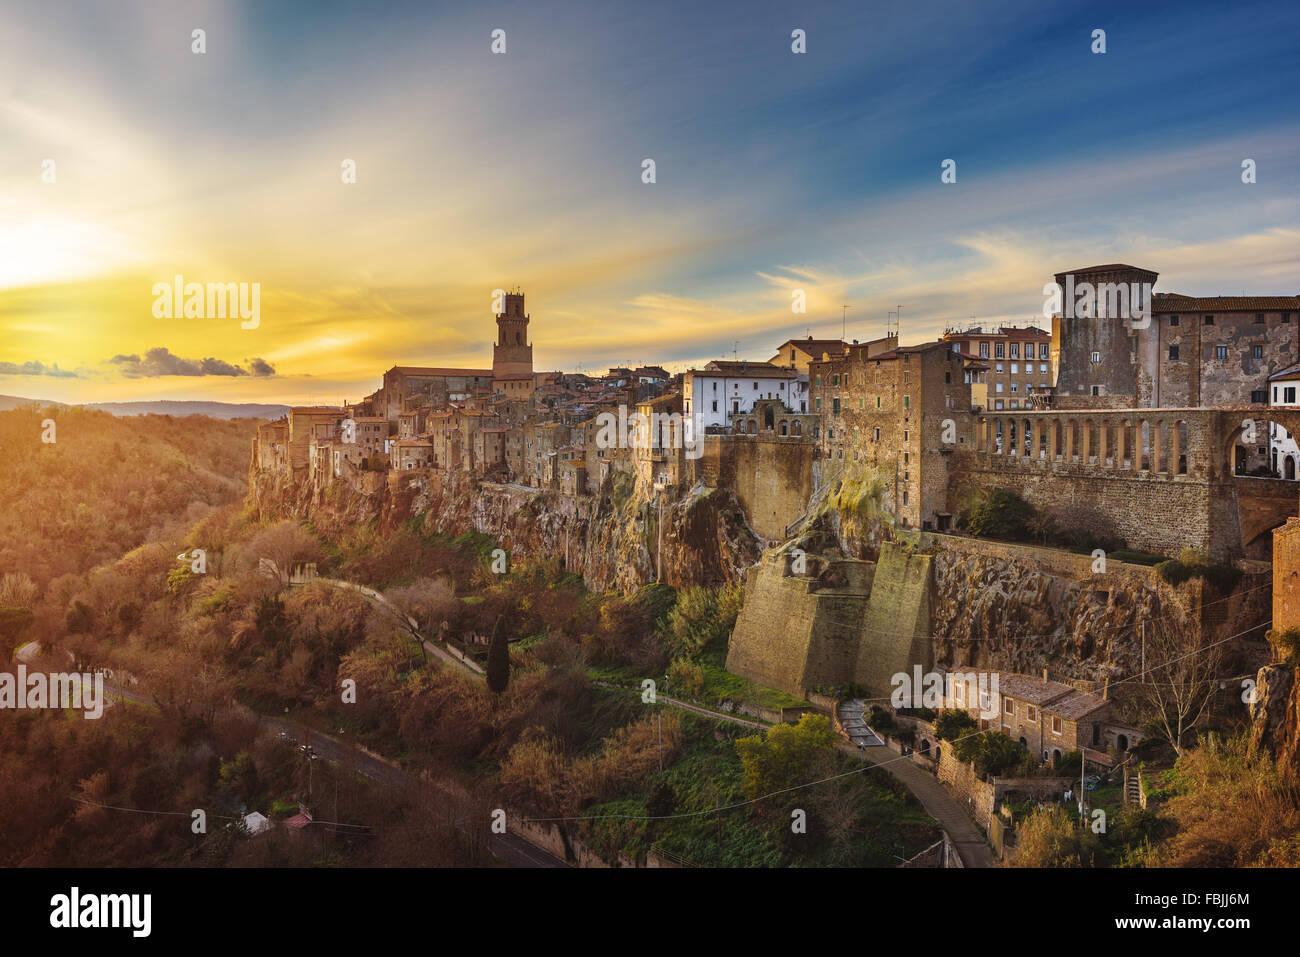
(798,427)
(785,427)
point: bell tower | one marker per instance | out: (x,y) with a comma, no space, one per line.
(513,353)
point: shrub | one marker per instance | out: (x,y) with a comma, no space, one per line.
(954,724)
(1002,514)
(686,678)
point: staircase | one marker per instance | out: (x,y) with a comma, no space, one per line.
(853,723)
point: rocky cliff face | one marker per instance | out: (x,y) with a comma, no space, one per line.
(1010,613)
(1275,714)
(613,539)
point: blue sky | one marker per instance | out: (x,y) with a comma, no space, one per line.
(775,171)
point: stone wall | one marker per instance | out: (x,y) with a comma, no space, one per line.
(771,476)
(843,620)
(1286,576)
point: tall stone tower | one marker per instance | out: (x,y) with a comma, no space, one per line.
(513,353)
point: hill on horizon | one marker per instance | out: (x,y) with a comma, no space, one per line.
(216,410)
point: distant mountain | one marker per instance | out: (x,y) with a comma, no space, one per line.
(215,410)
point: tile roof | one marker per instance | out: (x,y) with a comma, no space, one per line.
(1174,302)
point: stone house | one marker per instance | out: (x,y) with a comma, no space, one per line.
(414,454)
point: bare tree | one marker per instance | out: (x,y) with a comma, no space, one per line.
(1183,672)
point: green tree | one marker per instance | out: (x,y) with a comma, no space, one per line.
(786,756)
(954,724)
(498,659)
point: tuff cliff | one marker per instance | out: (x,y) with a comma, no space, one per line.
(613,538)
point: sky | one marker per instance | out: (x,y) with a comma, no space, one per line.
(129,159)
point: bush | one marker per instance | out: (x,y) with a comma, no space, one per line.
(1002,514)
(685,678)
(1193,563)
(954,724)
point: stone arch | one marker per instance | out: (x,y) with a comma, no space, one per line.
(752,427)
(769,417)
(785,427)
(1288,468)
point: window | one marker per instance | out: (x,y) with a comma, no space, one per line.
(835,380)
(1220,352)
(1288,395)
(959,691)
(984,350)
(715,405)
(997,387)
(1173,353)
(907,434)
(999,350)
(947,378)
(1257,352)
(1008,706)
(1096,357)
(1042,366)
(818,405)
(875,435)
(1015,368)
(1209,320)
(877,402)
(904,496)
(1258,396)
(1015,386)
(907,401)
(1096,390)
(1056,725)
(1286,317)
(1015,350)
(835,406)
(1031,713)
(1015,403)
(1173,320)
(997,404)
(1259,318)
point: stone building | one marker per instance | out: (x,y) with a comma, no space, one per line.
(797,353)
(901,414)
(1135,348)
(1018,361)
(1286,576)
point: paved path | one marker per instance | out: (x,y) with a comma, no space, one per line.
(942,806)
(853,720)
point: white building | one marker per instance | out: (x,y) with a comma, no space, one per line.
(1284,452)
(723,388)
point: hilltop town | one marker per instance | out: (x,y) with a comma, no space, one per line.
(1146,440)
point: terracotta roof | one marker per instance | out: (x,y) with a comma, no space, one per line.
(439,371)
(1291,373)
(1034,690)
(1076,705)
(1173,302)
(1109,267)
(741,370)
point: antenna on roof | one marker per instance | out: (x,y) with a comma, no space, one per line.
(844,329)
